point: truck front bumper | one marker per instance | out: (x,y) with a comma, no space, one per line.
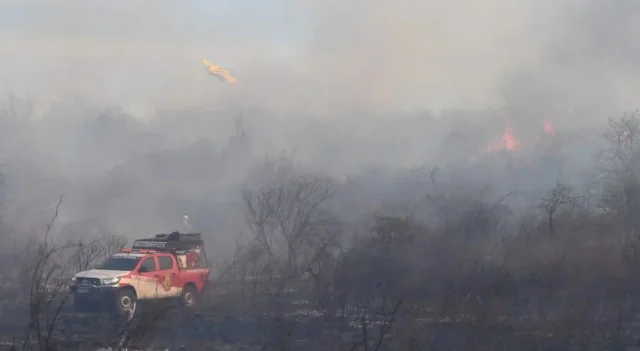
(93,298)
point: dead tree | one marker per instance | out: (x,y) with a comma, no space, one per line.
(111,244)
(85,255)
(620,165)
(559,197)
(290,225)
(45,272)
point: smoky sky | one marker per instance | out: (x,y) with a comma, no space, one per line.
(344,85)
(324,57)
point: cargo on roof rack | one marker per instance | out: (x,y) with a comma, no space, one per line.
(170,242)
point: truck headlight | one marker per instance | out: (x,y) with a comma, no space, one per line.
(73,280)
(110,281)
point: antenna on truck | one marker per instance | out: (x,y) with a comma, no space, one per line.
(185,219)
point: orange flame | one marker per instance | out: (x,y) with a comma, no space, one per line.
(508,142)
(548,128)
(511,143)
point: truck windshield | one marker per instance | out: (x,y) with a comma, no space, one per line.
(120,263)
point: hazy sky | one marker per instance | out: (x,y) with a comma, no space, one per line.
(353,63)
(319,56)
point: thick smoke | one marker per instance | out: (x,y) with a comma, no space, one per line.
(314,57)
(113,109)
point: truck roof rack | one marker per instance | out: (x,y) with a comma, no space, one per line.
(170,242)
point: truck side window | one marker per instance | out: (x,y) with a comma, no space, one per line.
(149,264)
(166,263)
(202,261)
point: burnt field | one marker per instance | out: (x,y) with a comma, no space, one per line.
(503,313)
(308,329)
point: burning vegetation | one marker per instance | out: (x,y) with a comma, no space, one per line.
(510,143)
(454,256)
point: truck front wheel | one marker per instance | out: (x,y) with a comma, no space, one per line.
(125,302)
(189,297)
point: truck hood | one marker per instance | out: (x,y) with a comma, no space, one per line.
(101,274)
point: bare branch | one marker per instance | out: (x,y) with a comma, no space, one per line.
(557,198)
(50,225)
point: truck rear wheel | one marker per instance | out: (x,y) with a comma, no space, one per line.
(125,303)
(189,297)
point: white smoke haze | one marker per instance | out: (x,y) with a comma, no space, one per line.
(111,106)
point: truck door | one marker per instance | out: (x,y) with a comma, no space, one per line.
(147,277)
(170,284)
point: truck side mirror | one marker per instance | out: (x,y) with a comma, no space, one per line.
(143,270)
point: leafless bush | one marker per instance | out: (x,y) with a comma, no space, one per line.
(47,295)
(375,343)
(139,332)
(47,268)
(85,255)
(44,275)
(292,230)
(620,165)
(110,244)
(88,254)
